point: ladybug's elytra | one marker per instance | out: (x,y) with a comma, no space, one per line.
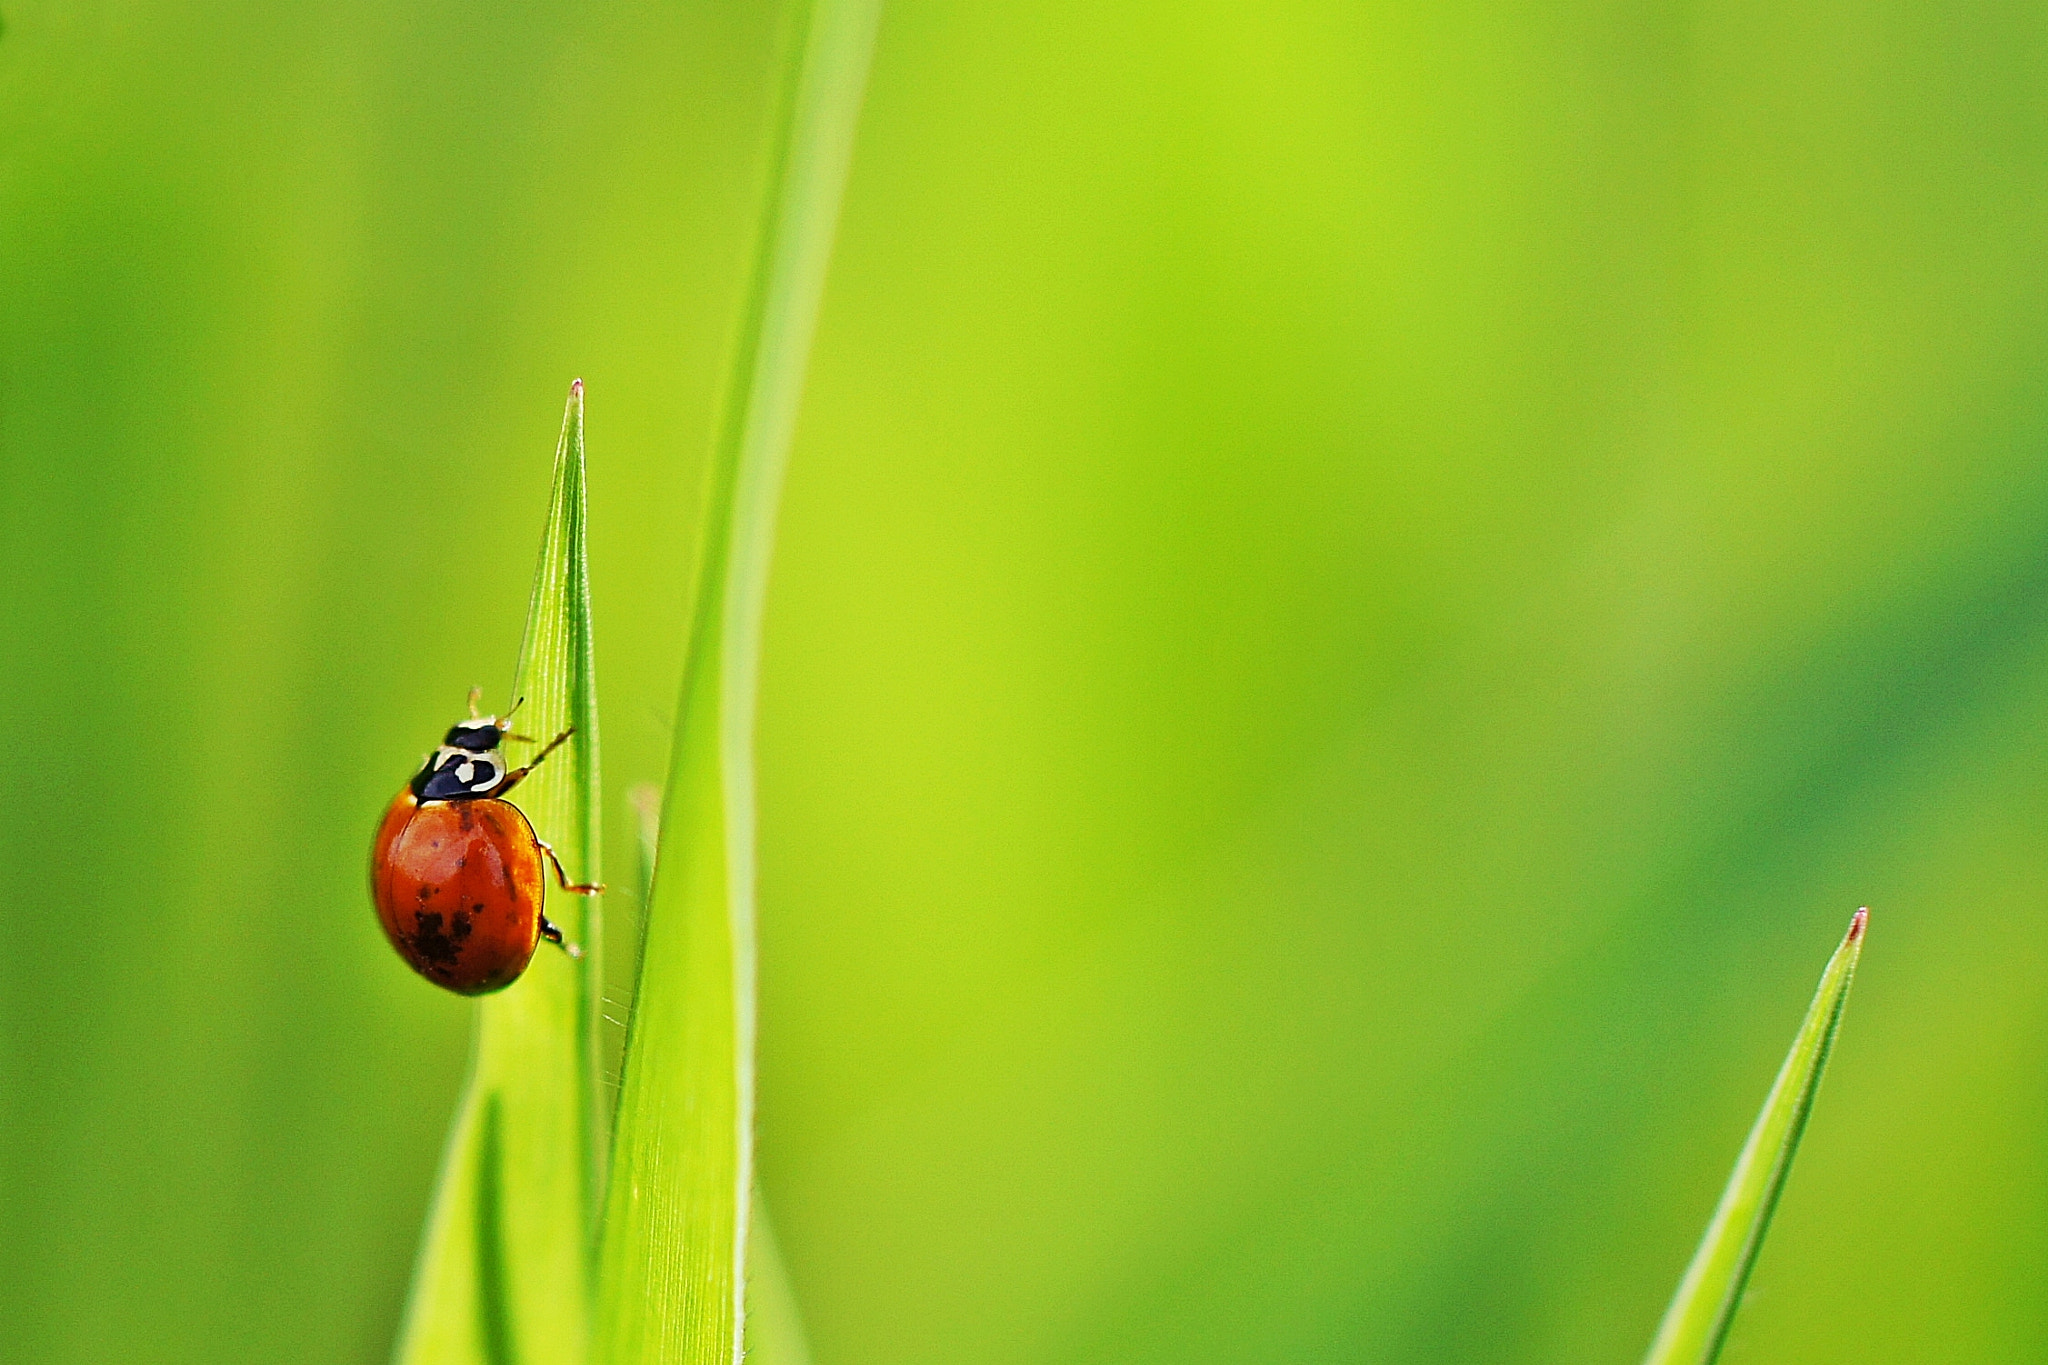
(456,869)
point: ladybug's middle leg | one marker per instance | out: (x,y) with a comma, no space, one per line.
(576,888)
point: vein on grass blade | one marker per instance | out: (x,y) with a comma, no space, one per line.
(1696,1324)
(671,1286)
(505,1270)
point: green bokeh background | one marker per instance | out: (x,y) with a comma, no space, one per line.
(1363,589)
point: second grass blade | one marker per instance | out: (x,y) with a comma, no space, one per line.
(774,1327)
(671,1286)
(1696,1324)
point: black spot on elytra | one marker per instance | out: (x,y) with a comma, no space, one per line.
(432,945)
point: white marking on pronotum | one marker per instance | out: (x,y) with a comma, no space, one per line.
(465,765)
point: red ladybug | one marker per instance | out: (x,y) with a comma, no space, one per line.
(456,869)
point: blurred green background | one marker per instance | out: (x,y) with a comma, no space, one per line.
(1363,589)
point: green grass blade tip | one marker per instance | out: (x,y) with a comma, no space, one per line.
(1696,1324)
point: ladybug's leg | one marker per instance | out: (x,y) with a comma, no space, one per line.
(577,888)
(513,778)
(476,694)
(553,934)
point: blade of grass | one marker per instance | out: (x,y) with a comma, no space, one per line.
(774,1327)
(1696,1324)
(670,1284)
(505,1271)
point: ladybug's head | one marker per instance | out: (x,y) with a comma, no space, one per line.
(478,736)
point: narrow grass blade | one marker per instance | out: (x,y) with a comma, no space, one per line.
(504,1276)
(775,1329)
(671,1286)
(1696,1324)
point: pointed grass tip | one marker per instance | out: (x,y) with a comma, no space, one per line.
(575,388)
(1856,923)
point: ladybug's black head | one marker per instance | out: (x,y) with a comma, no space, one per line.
(477,736)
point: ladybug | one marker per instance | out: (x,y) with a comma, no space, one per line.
(456,870)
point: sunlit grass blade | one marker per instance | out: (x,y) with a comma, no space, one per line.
(505,1272)
(1696,1324)
(671,1284)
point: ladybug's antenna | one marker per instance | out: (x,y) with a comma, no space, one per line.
(505,724)
(476,694)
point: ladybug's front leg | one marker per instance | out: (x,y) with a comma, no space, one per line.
(517,775)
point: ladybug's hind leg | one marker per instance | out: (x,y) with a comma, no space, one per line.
(552,932)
